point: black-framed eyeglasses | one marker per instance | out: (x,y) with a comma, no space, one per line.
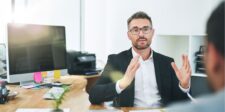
(136,30)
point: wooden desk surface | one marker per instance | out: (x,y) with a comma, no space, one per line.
(77,99)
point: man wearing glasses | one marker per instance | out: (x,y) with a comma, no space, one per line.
(140,76)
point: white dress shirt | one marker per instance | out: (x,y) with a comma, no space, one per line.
(146,89)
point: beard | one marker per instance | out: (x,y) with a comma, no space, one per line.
(140,46)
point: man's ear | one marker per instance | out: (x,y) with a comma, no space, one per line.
(215,58)
(153,32)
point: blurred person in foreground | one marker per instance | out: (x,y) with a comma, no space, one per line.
(214,63)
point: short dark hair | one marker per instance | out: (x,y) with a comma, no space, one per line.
(215,28)
(139,15)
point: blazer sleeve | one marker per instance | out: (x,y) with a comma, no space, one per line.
(104,89)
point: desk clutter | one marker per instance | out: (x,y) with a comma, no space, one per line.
(44,85)
(46,77)
(54,93)
(3,92)
(56,90)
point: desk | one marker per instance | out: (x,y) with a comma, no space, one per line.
(76,99)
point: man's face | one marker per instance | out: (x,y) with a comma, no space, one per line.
(140,33)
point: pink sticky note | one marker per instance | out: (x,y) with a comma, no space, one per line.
(37,77)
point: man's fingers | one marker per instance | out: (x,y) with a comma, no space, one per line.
(130,72)
(134,69)
(136,66)
(174,66)
(188,76)
(187,62)
(189,66)
(133,62)
(133,66)
(189,71)
(183,59)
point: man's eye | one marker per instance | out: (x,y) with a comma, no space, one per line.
(135,30)
(145,29)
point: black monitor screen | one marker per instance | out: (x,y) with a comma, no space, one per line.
(33,48)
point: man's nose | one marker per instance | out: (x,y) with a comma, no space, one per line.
(140,33)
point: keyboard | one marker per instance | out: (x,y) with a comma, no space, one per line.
(54,93)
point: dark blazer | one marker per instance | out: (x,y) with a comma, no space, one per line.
(105,90)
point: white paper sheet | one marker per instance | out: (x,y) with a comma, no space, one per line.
(38,110)
(151,110)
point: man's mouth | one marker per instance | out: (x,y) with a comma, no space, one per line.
(142,39)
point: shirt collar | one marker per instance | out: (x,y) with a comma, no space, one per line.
(135,54)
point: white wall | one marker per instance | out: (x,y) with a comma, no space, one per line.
(172,45)
(95,17)
(5,8)
(170,17)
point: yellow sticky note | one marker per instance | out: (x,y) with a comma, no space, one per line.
(57,74)
(44,74)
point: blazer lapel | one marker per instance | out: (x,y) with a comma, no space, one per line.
(126,60)
(156,61)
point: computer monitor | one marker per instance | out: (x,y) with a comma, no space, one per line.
(34,48)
